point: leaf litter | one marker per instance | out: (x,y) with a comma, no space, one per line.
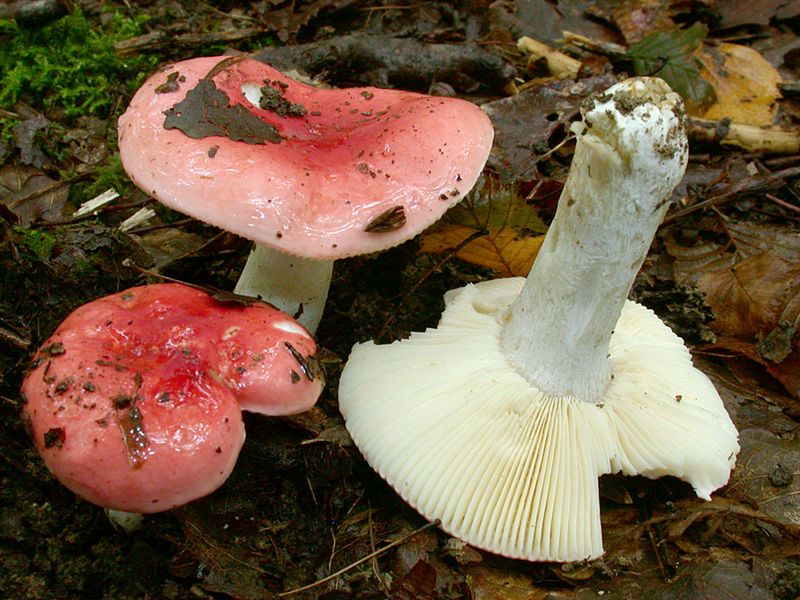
(302,510)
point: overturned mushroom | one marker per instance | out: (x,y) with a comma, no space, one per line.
(500,421)
(309,174)
(135,401)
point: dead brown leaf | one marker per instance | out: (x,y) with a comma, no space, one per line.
(487,583)
(525,122)
(768,475)
(31,195)
(749,298)
(734,13)
(728,579)
(636,18)
(418,573)
(494,227)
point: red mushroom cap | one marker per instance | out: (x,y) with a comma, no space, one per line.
(135,401)
(318,173)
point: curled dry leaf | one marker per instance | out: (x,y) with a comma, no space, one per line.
(31,195)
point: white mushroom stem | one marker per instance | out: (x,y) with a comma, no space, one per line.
(124,520)
(297,286)
(630,154)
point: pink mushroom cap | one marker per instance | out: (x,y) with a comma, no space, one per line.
(348,171)
(135,401)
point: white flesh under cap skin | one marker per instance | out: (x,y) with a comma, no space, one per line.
(461,421)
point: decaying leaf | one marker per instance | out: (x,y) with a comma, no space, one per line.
(511,228)
(746,85)
(728,579)
(636,18)
(206,111)
(722,81)
(749,298)
(767,475)
(502,251)
(418,573)
(734,13)
(752,284)
(487,583)
(31,195)
(525,122)
(168,244)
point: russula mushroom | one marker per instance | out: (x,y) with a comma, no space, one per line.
(309,174)
(500,421)
(135,401)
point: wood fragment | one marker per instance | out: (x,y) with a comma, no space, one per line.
(385,61)
(162,39)
(559,64)
(595,46)
(745,137)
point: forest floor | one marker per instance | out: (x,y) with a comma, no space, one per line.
(302,507)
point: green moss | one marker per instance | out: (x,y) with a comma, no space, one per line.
(70,65)
(38,242)
(109,175)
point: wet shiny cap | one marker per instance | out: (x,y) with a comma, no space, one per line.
(135,401)
(319,173)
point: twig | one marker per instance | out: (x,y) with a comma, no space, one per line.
(102,210)
(559,64)
(782,203)
(374,559)
(14,339)
(178,223)
(654,545)
(156,40)
(747,186)
(53,186)
(584,43)
(233,17)
(361,560)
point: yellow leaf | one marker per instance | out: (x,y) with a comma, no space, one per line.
(502,251)
(745,83)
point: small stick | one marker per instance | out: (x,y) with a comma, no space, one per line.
(747,137)
(558,63)
(361,560)
(6,335)
(782,203)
